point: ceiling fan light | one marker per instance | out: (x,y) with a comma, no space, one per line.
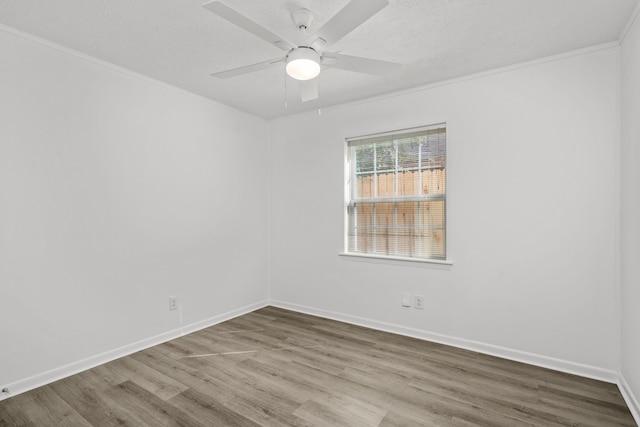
(303,63)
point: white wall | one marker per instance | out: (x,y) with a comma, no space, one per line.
(630,223)
(116,192)
(533,209)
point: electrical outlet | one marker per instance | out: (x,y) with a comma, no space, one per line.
(173,303)
(418,302)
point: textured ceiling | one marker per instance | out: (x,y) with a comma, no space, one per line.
(180,43)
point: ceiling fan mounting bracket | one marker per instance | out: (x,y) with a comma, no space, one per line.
(302,18)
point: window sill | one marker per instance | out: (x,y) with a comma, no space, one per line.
(394,259)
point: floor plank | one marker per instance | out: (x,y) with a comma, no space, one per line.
(275,367)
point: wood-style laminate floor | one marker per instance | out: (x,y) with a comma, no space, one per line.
(275,367)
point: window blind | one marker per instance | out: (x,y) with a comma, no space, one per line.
(396,201)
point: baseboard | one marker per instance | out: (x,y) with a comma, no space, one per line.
(56,374)
(629,398)
(593,372)
(61,372)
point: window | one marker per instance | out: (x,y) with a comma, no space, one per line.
(396,194)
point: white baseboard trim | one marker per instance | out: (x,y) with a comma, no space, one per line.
(630,398)
(61,372)
(593,372)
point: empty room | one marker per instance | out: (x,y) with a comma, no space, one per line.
(320,213)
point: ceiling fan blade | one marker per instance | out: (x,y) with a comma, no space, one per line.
(231,15)
(247,69)
(360,65)
(308,89)
(349,18)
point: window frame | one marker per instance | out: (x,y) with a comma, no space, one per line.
(349,172)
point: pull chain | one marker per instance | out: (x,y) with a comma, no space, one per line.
(285,88)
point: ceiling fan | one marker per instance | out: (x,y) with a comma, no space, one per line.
(304,61)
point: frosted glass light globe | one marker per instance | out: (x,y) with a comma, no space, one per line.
(303,63)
